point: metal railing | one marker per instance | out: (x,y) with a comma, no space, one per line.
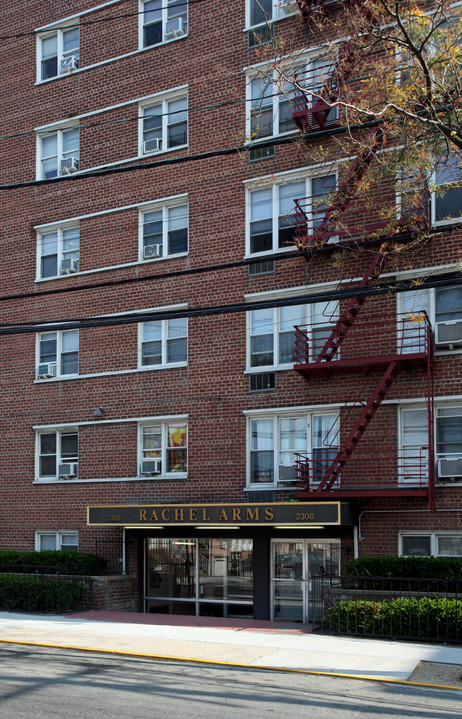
(388,607)
(48,590)
(112,551)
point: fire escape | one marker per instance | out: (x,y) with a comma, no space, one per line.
(369,355)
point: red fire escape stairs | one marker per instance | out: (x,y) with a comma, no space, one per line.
(310,119)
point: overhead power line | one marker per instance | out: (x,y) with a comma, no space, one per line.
(442,280)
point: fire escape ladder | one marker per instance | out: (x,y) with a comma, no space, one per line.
(361,424)
(349,315)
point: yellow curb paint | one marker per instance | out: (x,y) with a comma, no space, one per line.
(219,662)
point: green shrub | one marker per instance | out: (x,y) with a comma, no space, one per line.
(408,567)
(19,592)
(64,562)
(406,617)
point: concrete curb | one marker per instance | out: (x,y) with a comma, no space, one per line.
(143,655)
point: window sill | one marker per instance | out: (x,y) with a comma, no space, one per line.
(157,478)
(270,368)
(112,373)
(270,487)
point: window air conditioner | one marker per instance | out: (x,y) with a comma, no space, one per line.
(448,333)
(69,165)
(45,371)
(154,145)
(69,63)
(69,266)
(288,6)
(152,251)
(150,467)
(450,467)
(68,471)
(176,29)
(287,474)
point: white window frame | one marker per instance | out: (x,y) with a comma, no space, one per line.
(307,67)
(454,405)
(435,195)
(330,311)
(60,153)
(61,54)
(164,208)
(162,101)
(60,351)
(426,300)
(163,426)
(276,417)
(274,189)
(277,11)
(167,326)
(59,536)
(61,253)
(434,542)
(60,459)
(167,22)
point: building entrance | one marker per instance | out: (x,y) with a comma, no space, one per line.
(293,564)
(202,577)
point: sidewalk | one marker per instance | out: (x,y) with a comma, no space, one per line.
(230,641)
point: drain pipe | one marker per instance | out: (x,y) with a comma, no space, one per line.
(124,558)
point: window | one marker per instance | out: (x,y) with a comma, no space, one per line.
(58,251)
(163,448)
(164,125)
(448,442)
(443,306)
(57,354)
(262,11)
(447,195)
(275,440)
(57,455)
(272,337)
(59,153)
(163,20)
(58,52)
(164,231)
(163,343)
(272,211)
(430,544)
(271,100)
(51,541)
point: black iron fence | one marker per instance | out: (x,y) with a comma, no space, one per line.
(388,607)
(48,590)
(112,551)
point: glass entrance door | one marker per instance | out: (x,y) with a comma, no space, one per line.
(293,565)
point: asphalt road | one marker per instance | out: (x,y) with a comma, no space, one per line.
(38,683)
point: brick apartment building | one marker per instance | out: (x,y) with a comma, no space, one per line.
(153,387)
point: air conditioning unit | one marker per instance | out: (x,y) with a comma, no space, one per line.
(47,370)
(176,29)
(288,6)
(69,165)
(448,333)
(150,467)
(154,145)
(450,467)
(69,266)
(287,474)
(68,471)
(152,251)
(69,63)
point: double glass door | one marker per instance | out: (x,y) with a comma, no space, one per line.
(294,564)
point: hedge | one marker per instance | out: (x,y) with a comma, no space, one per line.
(407,567)
(38,593)
(424,618)
(61,562)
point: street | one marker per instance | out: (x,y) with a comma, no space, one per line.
(39,682)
